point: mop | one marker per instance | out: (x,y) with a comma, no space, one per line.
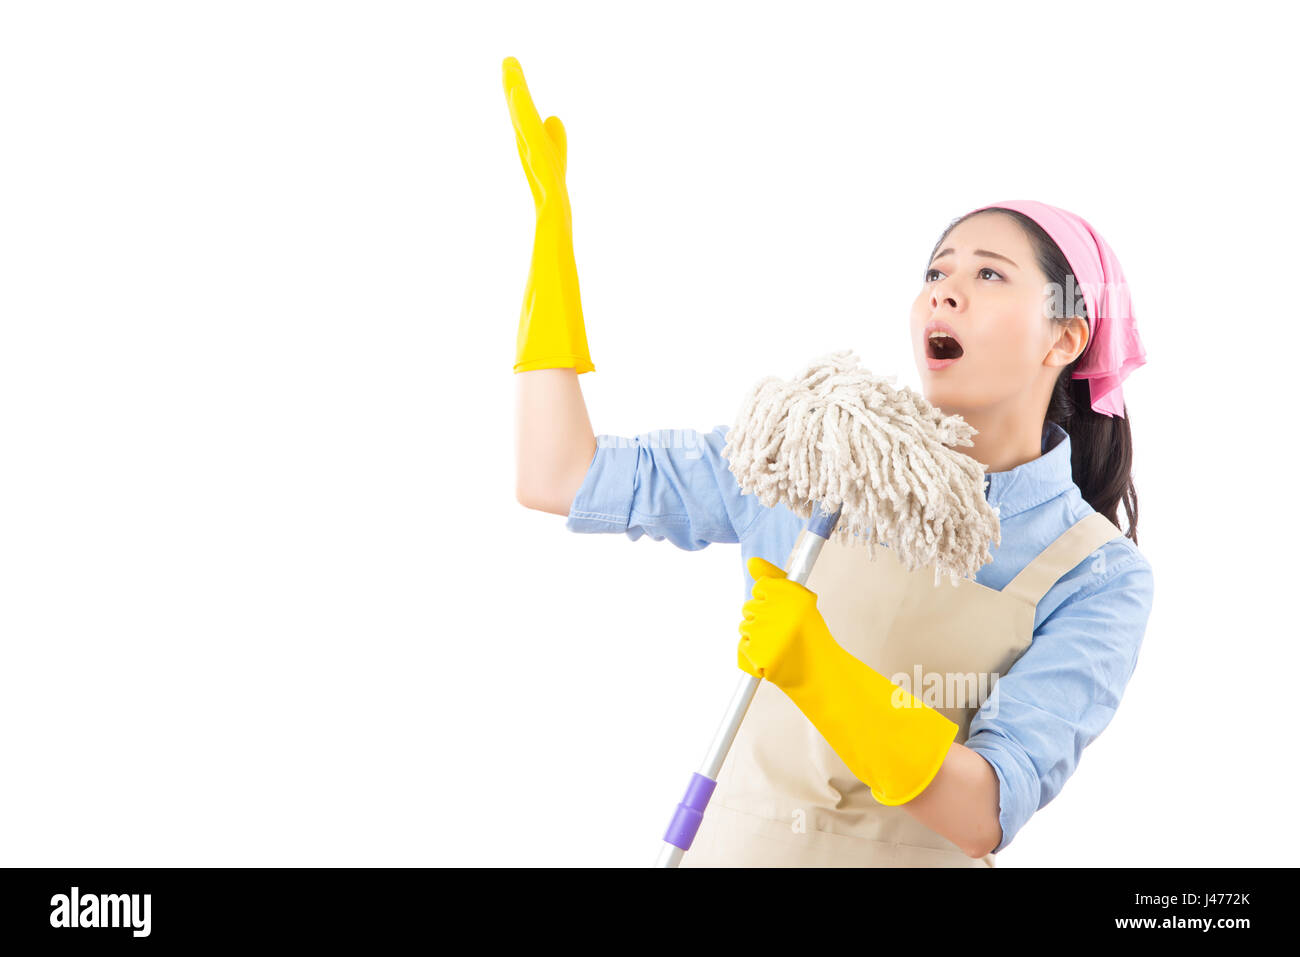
(864,463)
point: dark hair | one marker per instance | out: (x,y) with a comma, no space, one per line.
(1101,446)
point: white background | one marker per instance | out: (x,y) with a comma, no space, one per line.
(266,596)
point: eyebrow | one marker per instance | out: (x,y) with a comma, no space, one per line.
(978,252)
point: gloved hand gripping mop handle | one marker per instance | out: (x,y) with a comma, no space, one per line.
(690,812)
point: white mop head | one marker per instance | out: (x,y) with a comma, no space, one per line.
(840,436)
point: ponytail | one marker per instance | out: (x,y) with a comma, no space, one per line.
(1101,450)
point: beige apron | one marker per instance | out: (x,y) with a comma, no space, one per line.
(784,798)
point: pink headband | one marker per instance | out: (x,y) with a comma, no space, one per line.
(1114,349)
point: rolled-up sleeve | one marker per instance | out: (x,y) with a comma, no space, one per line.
(669,484)
(1063,690)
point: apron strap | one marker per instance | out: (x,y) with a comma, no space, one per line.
(1077,542)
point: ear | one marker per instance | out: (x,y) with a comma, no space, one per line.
(1071,340)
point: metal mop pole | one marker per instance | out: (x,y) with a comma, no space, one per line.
(690,812)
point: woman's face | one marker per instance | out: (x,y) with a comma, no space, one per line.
(983,287)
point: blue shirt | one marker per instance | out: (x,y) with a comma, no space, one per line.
(1057,697)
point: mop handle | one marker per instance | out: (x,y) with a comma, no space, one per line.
(690,812)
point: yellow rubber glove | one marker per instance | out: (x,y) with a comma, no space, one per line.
(895,750)
(551,333)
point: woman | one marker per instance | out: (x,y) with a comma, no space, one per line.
(1045,638)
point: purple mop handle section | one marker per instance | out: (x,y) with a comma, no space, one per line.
(690,811)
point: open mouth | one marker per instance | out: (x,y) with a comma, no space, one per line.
(940,346)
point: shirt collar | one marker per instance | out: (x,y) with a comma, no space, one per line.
(1035,482)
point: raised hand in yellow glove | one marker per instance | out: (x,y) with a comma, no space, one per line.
(551,333)
(896,750)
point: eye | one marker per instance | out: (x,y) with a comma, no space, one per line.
(987,269)
(928,274)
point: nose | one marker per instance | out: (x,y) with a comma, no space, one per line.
(940,294)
